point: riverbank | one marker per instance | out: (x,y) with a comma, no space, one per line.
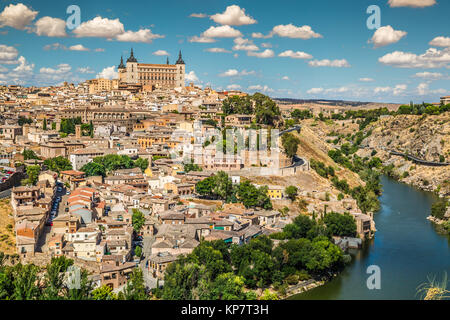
(406,248)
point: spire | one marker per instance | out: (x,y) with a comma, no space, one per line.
(180,59)
(167,60)
(121,65)
(132,58)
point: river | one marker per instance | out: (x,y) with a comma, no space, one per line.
(406,247)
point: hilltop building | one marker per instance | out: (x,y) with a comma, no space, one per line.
(152,76)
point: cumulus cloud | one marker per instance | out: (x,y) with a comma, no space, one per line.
(440,42)
(78,47)
(429,75)
(50,27)
(100,28)
(236,73)
(108,73)
(201,39)
(366,79)
(8,55)
(260,88)
(217,50)
(143,35)
(330,63)
(244,44)
(315,91)
(17,16)
(397,90)
(295,55)
(161,53)
(233,16)
(23,66)
(412,3)
(222,32)
(424,89)
(289,31)
(60,69)
(234,87)
(432,58)
(264,54)
(191,77)
(386,35)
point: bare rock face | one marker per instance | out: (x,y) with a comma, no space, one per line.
(425,137)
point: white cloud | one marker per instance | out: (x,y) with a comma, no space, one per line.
(143,35)
(85,70)
(101,28)
(432,58)
(191,77)
(440,42)
(217,50)
(221,32)
(244,44)
(198,15)
(330,63)
(260,88)
(366,79)
(315,90)
(264,54)
(295,55)
(386,35)
(201,39)
(412,3)
(233,16)
(60,69)
(3,69)
(236,73)
(161,53)
(397,90)
(50,27)
(108,73)
(290,31)
(285,78)
(234,87)
(78,47)
(17,16)
(424,89)
(23,66)
(8,55)
(429,75)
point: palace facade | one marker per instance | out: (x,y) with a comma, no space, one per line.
(152,75)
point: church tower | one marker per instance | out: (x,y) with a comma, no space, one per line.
(122,71)
(181,71)
(132,69)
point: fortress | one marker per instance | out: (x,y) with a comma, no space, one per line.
(152,75)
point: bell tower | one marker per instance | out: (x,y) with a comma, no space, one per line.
(181,71)
(132,69)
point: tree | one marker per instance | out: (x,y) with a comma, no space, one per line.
(25,282)
(141,163)
(439,208)
(44,126)
(226,286)
(342,225)
(93,169)
(252,196)
(291,192)
(58,164)
(138,251)
(135,288)
(33,174)
(29,155)
(290,144)
(104,293)
(137,220)
(54,278)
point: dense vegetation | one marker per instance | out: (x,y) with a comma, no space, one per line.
(215,270)
(58,164)
(265,109)
(30,282)
(103,165)
(220,187)
(439,208)
(290,144)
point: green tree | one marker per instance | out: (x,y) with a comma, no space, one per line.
(54,283)
(290,144)
(33,174)
(93,169)
(138,251)
(25,282)
(141,163)
(104,293)
(138,220)
(58,164)
(44,126)
(343,225)
(135,288)
(29,155)
(291,192)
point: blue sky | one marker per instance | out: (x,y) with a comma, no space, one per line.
(298,49)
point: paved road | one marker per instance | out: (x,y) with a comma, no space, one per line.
(150,282)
